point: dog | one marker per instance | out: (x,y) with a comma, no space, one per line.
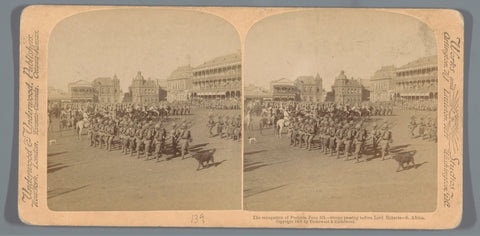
(404,160)
(204,158)
(52,141)
(252,140)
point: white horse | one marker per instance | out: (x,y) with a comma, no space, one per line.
(79,129)
(282,123)
(248,121)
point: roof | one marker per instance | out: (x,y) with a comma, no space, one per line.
(421,62)
(54,93)
(103,81)
(233,58)
(139,76)
(80,83)
(181,72)
(282,81)
(306,79)
(385,72)
(341,76)
(346,82)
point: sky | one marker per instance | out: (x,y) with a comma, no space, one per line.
(326,41)
(124,41)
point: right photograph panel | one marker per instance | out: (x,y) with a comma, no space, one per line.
(340,113)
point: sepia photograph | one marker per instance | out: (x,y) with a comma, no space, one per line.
(340,113)
(144,112)
(249,117)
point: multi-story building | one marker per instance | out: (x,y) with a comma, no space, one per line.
(108,89)
(417,80)
(179,84)
(284,90)
(144,91)
(81,91)
(310,88)
(220,77)
(57,95)
(347,91)
(382,83)
(252,92)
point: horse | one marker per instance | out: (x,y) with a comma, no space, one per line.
(248,121)
(281,123)
(79,128)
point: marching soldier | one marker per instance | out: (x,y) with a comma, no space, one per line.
(220,126)
(159,139)
(148,135)
(310,134)
(139,138)
(339,138)
(331,137)
(386,140)
(225,127)
(210,124)
(421,127)
(412,125)
(186,138)
(376,136)
(91,132)
(123,135)
(292,131)
(350,133)
(174,135)
(131,137)
(110,134)
(360,137)
(237,128)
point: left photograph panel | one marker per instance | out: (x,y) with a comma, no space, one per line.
(144,112)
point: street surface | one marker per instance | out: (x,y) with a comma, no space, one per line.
(84,178)
(278,177)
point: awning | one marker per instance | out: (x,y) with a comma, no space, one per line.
(210,93)
(414,94)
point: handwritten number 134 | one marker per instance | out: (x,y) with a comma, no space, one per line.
(198,219)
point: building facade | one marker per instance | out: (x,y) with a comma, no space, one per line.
(347,91)
(284,90)
(253,92)
(382,83)
(144,91)
(417,80)
(179,84)
(220,77)
(57,95)
(81,91)
(108,89)
(310,88)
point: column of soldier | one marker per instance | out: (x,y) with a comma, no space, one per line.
(142,135)
(341,138)
(337,130)
(426,127)
(230,104)
(227,126)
